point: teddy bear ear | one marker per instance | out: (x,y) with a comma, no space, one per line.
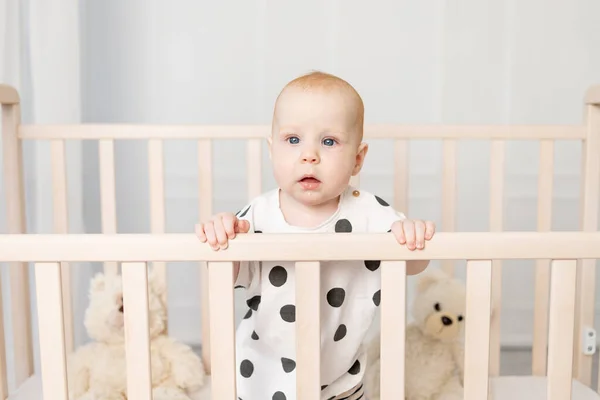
(429,278)
(98,283)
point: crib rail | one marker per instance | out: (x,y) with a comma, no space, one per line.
(175,247)
(47,251)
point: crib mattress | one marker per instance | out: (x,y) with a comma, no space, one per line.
(503,388)
(533,388)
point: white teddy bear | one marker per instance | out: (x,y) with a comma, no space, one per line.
(97,370)
(434,343)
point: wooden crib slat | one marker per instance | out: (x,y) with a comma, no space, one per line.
(590,196)
(254,167)
(3,370)
(393,322)
(107,194)
(560,335)
(496,223)
(59,183)
(477,330)
(137,339)
(401,175)
(157,196)
(53,360)
(542,268)
(61,225)
(308,331)
(449,195)
(222,329)
(15,219)
(205,197)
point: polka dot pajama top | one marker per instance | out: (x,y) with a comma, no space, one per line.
(350,293)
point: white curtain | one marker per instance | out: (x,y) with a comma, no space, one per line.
(40,56)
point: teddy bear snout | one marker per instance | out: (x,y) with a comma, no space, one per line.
(446,321)
(121,309)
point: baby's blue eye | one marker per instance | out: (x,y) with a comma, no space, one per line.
(329,142)
(293,140)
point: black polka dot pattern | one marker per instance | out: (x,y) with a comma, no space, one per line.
(279,396)
(381,201)
(323,387)
(248,314)
(288,313)
(372,265)
(257,231)
(343,226)
(246,368)
(335,297)
(340,333)
(244,212)
(377,298)
(253,302)
(355,369)
(254,336)
(278,276)
(287,364)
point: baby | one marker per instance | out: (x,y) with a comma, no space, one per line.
(316,147)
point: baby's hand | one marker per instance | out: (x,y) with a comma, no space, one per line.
(413,233)
(220,229)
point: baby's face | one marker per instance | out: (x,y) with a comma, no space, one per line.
(315,144)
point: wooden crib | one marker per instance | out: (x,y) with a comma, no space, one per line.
(564,293)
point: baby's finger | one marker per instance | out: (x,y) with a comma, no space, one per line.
(242,226)
(220,234)
(399,233)
(419,234)
(229,225)
(429,230)
(199,229)
(409,233)
(211,237)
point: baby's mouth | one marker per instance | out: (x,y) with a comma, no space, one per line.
(310,182)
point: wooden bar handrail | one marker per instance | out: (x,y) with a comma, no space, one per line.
(173,247)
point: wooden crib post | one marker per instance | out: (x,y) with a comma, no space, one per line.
(584,316)
(15,215)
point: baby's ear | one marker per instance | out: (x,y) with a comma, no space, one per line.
(429,278)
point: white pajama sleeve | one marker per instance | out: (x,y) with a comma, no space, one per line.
(382,215)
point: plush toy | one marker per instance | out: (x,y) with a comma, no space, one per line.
(434,342)
(97,370)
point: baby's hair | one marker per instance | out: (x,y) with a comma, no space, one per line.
(326,81)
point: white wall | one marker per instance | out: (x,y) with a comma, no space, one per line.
(413,62)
